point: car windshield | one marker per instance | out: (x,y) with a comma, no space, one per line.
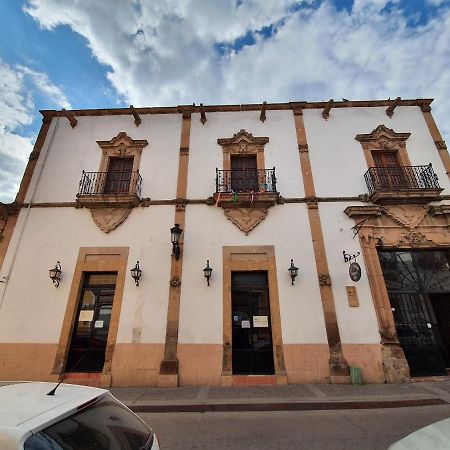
(103,425)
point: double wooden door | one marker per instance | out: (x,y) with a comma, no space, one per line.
(390,173)
(244,174)
(118,178)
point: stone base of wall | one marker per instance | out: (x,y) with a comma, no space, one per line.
(307,363)
(27,362)
(368,357)
(136,364)
(200,364)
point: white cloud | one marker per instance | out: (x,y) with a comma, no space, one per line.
(17,85)
(165,51)
(47,88)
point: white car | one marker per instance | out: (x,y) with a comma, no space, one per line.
(433,437)
(74,417)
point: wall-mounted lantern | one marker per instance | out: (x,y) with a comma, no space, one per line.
(207,271)
(136,273)
(175,233)
(55,274)
(293,271)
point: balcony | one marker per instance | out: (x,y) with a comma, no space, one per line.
(109,189)
(402,184)
(246,187)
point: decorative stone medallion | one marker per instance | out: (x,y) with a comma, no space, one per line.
(107,219)
(246,218)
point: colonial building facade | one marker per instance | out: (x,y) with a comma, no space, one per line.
(132,207)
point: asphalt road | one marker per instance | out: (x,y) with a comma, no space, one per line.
(333,430)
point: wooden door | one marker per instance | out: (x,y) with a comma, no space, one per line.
(118,177)
(244,174)
(390,174)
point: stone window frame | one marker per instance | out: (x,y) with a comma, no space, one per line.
(243,143)
(122,146)
(383,139)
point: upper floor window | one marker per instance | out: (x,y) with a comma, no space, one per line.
(391,178)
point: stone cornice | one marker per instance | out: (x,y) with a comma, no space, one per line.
(188,109)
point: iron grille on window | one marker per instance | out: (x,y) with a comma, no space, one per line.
(113,182)
(401,177)
(246,180)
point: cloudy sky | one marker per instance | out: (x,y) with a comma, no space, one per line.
(112,53)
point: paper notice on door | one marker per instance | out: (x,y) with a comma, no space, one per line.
(86,316)
(245,324)
(98,324)
(260,321)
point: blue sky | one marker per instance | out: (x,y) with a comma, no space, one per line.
(112,53)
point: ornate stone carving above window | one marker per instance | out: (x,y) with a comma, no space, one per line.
(111,192)
(390,178)
(245,188)
(121,146)
(384,139)
(384,228)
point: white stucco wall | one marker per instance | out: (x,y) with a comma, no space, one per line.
(357,325)
(33,309)
(337,158)
(73,150)
(280,152)
(286,228)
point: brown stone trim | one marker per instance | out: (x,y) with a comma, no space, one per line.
(384,139)
(6,232)
(396,227)
(93,259)
(338,365)
(26,179)
(438,140)
(168,372)
(251,258)
(122,146)
(243,143)
(209,201)
(244,107)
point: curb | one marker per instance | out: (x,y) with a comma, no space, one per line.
(285,406)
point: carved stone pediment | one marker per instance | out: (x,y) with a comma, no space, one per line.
(408,216)
(246,219)
(406,226)
(108,219)
(122,143)
(244,142)
(383,138)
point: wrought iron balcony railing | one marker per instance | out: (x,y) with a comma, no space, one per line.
(246,180)
(110,183)
(399,178)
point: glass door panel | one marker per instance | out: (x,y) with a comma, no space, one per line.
(90,333)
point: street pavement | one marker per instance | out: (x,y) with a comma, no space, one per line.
(283,398)
(362,429)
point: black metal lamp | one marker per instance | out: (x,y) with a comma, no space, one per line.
(207,271)
(293,271)
(55,274)
(136,273)
(175,233)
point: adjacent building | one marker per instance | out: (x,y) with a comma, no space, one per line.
(325,224)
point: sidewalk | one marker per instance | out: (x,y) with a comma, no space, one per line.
(283,398)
